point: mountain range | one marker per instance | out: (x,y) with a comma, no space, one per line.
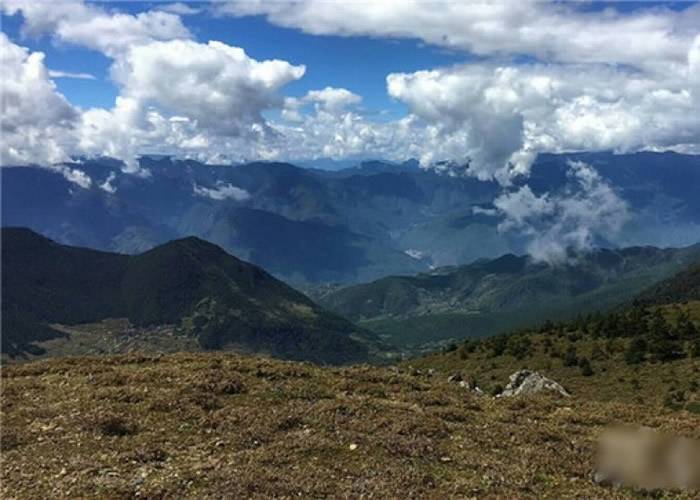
(356,224)
(206,299)
(204,293)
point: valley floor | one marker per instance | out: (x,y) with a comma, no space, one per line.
(223,425)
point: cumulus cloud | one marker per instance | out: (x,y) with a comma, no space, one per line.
(333,99)
(36,120)
(476,119)
(587,210)
(176,96)
(332,131)
(214,84)
(500,117)
(222,192)
(74,22)
(186,98)
(600,80)
(552,31)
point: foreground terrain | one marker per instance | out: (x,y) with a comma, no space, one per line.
(213,425)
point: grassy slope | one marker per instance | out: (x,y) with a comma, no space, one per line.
(197,425)
(613,379)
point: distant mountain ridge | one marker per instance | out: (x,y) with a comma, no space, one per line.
(353,225)
(206,293)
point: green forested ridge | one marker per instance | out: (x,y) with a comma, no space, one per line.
(495,296)
(190,283)
(683,286)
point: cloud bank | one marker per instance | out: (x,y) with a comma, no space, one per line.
(549,77)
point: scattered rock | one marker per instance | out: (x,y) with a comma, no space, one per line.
(528,382)
(471,386)
(353,447)
(603,479)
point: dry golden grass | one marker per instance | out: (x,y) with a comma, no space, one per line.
(216,425)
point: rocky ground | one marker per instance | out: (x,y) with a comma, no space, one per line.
(216,425)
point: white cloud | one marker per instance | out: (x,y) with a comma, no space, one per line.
(214,84)
(694,67)
(476,119)
(107,185)
(222,192)
(179,8)
(69,74)
(73,21)
(558,32)
(608,80)
(36,120)
(187,98)
(332,99)
(586,210)
(75,176)
(176,96)
(501,116)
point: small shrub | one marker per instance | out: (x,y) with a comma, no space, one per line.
(597,354)
(695,348)
(149,455)
(636,352)
(570,358)
(451,347)
(290,423)
(115,425)
(230,387)
(674,399)
(9,439)
(585,366)
(206,401)
(469,346)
